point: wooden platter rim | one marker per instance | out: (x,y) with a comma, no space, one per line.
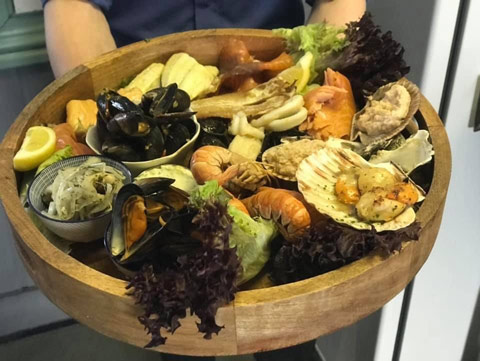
(31,237)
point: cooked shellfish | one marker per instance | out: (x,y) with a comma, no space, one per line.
(320,178)
(282,160)
(388,111)
(416,151)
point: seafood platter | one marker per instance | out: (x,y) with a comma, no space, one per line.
(258,189)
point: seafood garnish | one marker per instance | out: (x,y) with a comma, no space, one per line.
(388,111)
(282,161)
(331,108)
(284,207)
(255,102)
(416,151)
(334,180)
(232,171)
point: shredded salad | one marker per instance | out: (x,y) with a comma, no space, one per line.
(83,192)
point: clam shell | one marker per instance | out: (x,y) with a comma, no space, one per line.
(407,122)
(282,160)
(318,174)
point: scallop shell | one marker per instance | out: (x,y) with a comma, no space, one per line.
(282,160)
(318,174)
(389,132)
(416,151)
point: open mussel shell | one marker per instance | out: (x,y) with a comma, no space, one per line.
(389,129)
(318,174)
(214,131)
(149,217)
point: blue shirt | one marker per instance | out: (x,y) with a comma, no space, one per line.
(135,20)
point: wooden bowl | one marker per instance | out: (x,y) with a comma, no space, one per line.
(259,319)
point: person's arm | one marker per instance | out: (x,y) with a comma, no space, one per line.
(76,31)
(337,12)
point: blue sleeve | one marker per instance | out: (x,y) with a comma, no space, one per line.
(104,5)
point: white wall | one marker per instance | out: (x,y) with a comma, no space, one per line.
(447,289)
(25,6)
(425,28)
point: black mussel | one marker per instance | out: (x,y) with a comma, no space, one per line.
(162,103)
(132,124)
(171,117)
(142,225)
(110,103)
(154,144)
(154,185)
(119,150)
(181,103)
(214,131)
(208,139)
(177,135)
(215,126)
(275,138)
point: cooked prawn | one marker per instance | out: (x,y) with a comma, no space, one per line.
(283,206)
(331,108)
(230,170)
(237,203)
(214,163)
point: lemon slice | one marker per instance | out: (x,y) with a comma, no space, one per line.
(299,73)
(38,145)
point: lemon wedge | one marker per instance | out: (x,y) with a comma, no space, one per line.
(38,145)
(299,73)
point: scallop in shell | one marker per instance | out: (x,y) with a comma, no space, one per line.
(282,160)
(388,111)
(317,176)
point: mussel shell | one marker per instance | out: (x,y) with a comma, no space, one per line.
(153,185)
(110,103)
(119,150)
(214,126)
(182,101)
(164,100)
(127,124)
(171,237)
(208,139)
(177,136)
(154,144)
(164,246)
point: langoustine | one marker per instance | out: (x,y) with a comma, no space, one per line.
(331,108)
(230,170)
(242,72)
(284,207)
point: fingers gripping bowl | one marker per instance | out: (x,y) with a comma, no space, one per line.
(259,318)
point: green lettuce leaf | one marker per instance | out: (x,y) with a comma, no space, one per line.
(59,155)
(209,191)
(252,237)
(321,39)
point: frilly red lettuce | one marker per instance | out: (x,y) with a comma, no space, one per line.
(201,281)
(331,246)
